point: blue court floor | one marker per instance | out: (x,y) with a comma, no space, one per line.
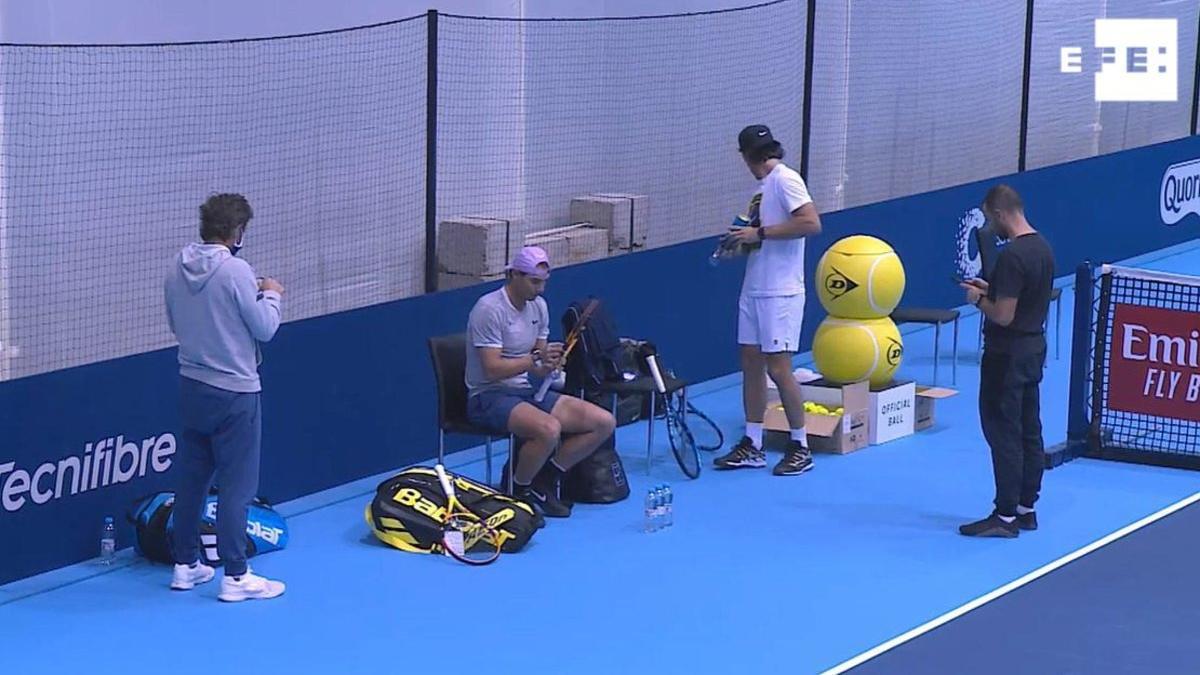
(1128,607)
(759,574)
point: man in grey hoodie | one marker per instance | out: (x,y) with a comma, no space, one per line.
(220,312)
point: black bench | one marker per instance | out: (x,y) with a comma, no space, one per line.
(936,317)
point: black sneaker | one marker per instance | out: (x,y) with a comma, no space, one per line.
(517,494)
(992,526)
(1027,521)
(542,500)
(543,478)
(796,460)
(743,456)
(551,479)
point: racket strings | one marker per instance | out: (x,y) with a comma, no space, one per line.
(472,529)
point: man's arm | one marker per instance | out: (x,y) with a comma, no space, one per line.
(1000,312)
(486,332)
(496,367)
(259,309)
(805,222)
(1007,281)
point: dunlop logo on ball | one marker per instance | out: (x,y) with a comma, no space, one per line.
(895,350)
(838,284)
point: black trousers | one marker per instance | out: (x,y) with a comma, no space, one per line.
(1010,413)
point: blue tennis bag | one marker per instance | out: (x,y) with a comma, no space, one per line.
(153,523)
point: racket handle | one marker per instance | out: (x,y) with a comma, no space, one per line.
(447,486)
(655,373)
(541,392)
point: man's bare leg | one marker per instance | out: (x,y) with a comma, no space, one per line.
(584,425)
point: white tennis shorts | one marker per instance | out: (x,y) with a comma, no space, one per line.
(773,323)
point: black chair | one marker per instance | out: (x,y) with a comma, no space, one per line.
(936,317)
(449,354)
(644,386)
(985,241)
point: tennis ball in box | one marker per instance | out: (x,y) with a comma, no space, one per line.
(852,350)
(860,277)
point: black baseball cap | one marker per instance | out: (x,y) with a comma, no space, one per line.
(755,137)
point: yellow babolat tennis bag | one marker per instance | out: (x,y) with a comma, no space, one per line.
(408,510)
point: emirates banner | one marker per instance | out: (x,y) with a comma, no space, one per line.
(1154,362)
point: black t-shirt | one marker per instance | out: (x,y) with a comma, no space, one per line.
(1025,271)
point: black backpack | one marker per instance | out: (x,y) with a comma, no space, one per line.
(597,357)
(599,478)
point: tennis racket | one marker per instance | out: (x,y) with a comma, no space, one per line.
(708,435)
(569,344)
(465,536)
(683,444)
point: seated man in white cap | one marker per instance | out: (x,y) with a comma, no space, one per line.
(506,343)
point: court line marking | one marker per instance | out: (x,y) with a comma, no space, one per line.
(1009,587)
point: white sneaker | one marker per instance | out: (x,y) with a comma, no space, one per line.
(249,587)
(186,577)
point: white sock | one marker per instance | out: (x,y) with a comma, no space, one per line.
(754,431)
(800,435)
(1022,510)
(1007,519)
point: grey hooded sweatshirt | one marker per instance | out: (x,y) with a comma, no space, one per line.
(219,316)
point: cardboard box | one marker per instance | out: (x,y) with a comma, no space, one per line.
(476,245)
(633,235)
(622,215)
(827,433)
(924,408)
(892,412)
(571,244)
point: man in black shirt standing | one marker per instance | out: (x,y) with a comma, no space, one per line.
(1014,303)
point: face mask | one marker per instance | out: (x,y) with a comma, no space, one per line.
(238,246)
(995,227)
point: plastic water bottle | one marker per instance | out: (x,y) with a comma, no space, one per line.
(650,512)
(108,541)
(660,501)
(669,504)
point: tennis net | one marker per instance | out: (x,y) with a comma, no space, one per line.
(1135,370)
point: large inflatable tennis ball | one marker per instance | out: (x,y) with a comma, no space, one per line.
(860,277)
(852,350)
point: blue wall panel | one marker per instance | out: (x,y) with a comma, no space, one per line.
(352,394)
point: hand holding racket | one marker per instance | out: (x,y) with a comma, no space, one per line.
(571,341)
(465,537)
(558,365)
